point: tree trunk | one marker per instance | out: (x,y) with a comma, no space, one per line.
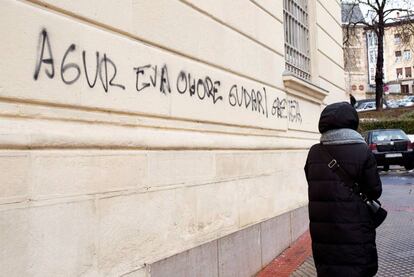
(379,75)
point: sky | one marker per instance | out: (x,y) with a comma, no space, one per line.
(391,3)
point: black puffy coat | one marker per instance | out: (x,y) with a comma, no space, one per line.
(341,228)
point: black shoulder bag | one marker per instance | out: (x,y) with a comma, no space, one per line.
(378,213)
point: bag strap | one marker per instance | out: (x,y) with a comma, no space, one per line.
(347,179)
(336,168)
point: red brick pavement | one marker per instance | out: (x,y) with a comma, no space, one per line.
(290,259)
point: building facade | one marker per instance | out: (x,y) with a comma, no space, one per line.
(398,54)
(356,64)
(360,56)
(355,51)
(159,138)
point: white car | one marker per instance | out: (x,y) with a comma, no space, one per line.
(368,106)
(408,101)
(392,104)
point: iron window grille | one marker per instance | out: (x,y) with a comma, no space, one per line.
(297,44)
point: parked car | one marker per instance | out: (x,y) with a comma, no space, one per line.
(392,104)
(368,106)
(408,101)
(401,102)
(390,147)
(360,102)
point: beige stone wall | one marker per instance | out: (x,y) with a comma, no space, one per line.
(134,130)
(329,54)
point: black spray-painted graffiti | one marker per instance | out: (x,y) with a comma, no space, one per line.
(150,74)
(279,108)
(283,108)
(203,88)
(294,111)
(250,99)
(69,71)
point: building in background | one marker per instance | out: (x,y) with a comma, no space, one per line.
(398,53)
(356,58)
(159,138)
(360,57)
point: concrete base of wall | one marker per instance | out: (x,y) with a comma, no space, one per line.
(243,253)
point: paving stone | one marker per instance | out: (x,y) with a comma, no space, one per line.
(306,269)
(395,237)
(290,259)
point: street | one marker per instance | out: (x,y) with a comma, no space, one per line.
(395,237)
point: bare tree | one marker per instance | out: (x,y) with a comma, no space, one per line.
(381,13)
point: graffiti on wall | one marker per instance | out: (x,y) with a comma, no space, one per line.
(99,70)
(70,72)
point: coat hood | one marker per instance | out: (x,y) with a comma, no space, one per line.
(338,116)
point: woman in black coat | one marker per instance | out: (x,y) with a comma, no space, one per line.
(341,227)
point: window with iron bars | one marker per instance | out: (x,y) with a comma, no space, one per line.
(297,44)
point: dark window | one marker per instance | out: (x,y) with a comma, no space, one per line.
(399,73)
(397,38)
(388,135)
(406,37)
(397,56)
(405,89)
(408,72)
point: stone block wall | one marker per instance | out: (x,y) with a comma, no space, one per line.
(137,136)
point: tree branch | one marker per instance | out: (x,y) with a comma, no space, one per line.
(369,4)
(387,12)
(363,23)
(388,19)
(382,7)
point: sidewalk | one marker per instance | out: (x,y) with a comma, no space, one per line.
(395,239)
(290,259)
